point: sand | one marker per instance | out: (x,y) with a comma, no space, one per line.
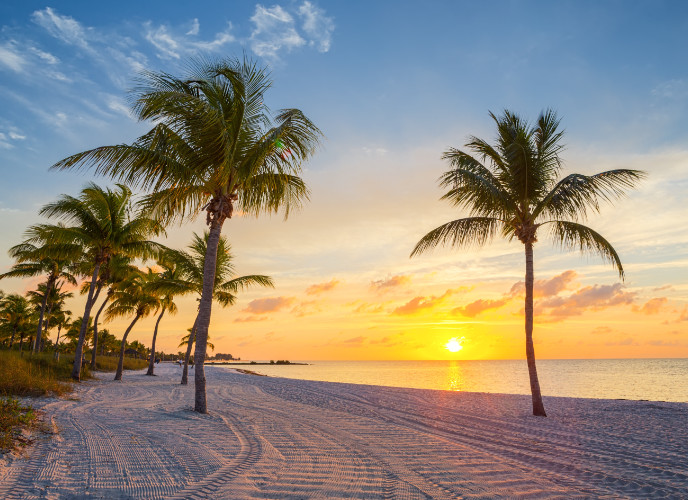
(277,438)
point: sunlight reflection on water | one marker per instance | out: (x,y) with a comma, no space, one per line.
(651,379)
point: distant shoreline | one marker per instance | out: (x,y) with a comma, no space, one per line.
(253,363)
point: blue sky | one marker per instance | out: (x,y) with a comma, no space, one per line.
(392,85)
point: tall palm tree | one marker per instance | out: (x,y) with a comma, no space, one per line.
(103,227)
(60,319)
(169,272)
(513,188)
(55,261)
(131,298)
(215,148)
(190,268)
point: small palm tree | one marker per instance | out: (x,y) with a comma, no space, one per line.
(103,227)
(47,258)
(215,148)
(16,312)
(132,297)
(48,300)
(190,272)
(169,273)
(60,318)
(513,188)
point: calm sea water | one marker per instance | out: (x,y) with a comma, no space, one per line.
(649,379)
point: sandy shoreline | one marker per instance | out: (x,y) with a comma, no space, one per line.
(269,437)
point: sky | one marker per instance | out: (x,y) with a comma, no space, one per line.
(392,85)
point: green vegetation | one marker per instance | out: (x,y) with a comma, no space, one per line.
(34,375)
(13,417)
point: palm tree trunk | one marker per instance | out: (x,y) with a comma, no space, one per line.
(538,406)
(95,331)
(151,363)
(120,365)
(37,344)
(57,342)
(204,310)
(76,370)
(46,326)
(189,345)
(14,332)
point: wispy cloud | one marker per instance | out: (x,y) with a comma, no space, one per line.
(270,304)
(276,30)
(418,304)
(65,28)
(481,305)
(319,288)
(390,282)
(173,43)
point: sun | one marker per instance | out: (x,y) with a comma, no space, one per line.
(454,344)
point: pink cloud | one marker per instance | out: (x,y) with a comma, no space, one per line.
(474,308)
(547,287)
(421,304)
(392,282)
(270,304)
(652,306)
(594,298)
(319,288)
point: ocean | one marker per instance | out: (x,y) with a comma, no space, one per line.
(637,379)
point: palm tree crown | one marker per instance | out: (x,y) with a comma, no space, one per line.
(513,188)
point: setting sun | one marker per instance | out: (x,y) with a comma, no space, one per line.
(454,344)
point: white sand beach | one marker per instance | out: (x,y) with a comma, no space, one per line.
(278,438)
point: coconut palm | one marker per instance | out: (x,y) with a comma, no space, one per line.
(132,297)
(169,273)
(113,272)
(16,312)
(190,274)
(214,148)
(48,300)
(43,257)
(513,188)
(103,227)
(60,319)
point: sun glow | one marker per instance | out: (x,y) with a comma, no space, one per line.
(454,344)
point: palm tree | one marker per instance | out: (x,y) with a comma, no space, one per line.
(46,258)
(131,298)
(103,228)
(60,319)
(513,188)
(169,273)
(214,148)
(113,272)
(16,312)
(190,268)
(50,301)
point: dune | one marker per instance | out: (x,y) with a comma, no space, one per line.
(267,437)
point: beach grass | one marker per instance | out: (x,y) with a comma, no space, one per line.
(34,375)
(109,363)
(14,417)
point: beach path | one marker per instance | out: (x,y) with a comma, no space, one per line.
(268,437)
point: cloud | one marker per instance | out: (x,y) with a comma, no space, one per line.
(671,89)
(11,57)
(547,287)
(275,30)
(317,26)
(64,28)
(474,308)
(418,304)
(171,45)
(306,308)
(195,27)
(594,298)
(270,304)
(247,319)
(369,308)
(601,330)
(353,341)
(319,288)
(392,282)
(652,306)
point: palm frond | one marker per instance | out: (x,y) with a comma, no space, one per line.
(459,233)
(574,236)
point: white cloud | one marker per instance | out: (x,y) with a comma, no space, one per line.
(174,46)
(195,27)
(274,30)
(16,136)
(317,26)
(10,57)
(64,28)
(671,89)
(44,56)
